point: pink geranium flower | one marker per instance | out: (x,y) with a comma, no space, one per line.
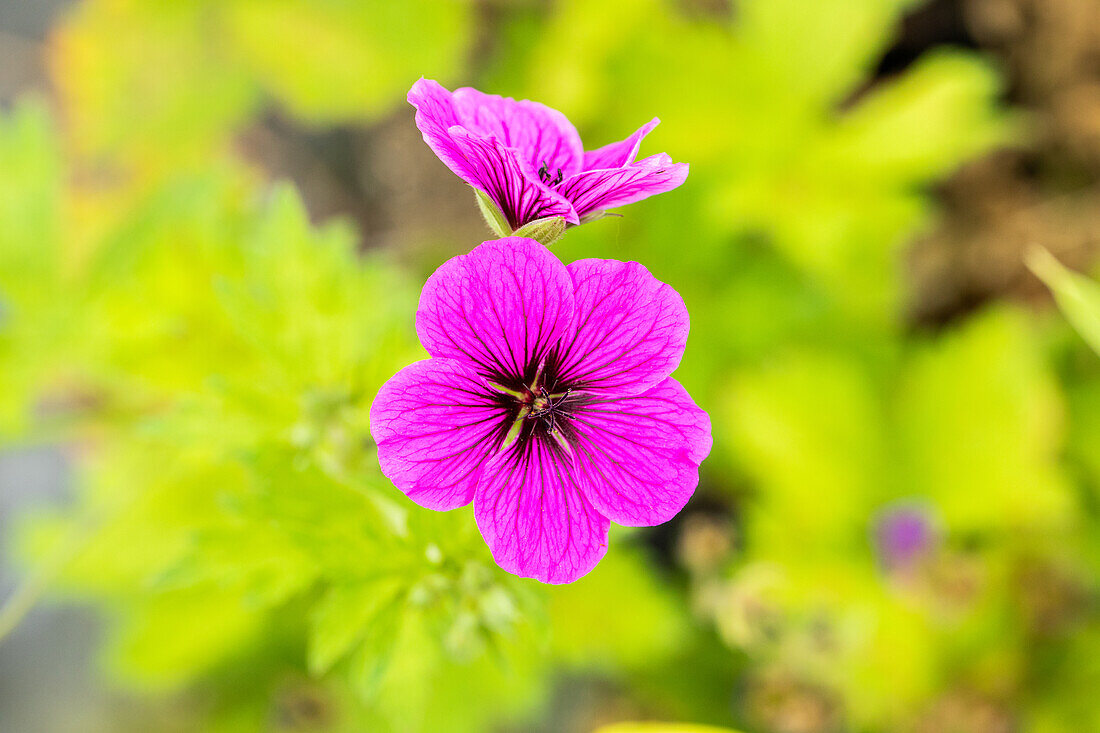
(547,402)
(529,160)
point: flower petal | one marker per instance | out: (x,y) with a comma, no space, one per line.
(533,516)
(617,155)
(498,309)
(541,134)
(638,457)
(607,188)
(509,181)
(631,328)
(434,422)
(486,163)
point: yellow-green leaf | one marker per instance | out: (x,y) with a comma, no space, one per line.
(1077,295)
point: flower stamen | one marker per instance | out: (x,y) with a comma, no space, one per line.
(544,175)
(546,407)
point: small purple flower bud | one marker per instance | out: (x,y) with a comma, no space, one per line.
(904,534)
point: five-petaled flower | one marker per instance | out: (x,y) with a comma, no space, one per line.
(547,401)
(529,160)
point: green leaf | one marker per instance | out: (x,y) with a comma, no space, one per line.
(919,126)
(1077,295)
(169,638)
(828,46)
(335,60)
(30,205)
(348,614)
(102,54)
(375,651)
(36,323)
(982,423)
(822,408)
(788,140)
(585,636)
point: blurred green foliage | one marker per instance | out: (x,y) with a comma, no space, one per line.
(151,83)
(661,728)
(208,356)
(1078,296)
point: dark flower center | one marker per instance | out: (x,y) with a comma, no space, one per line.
(536,406)
(547,407)
(544,174)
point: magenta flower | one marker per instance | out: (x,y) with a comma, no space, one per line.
(528,158)
(547,402)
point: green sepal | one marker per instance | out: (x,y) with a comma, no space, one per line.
(547,230)
(492,214)
(504,390)
(517,427)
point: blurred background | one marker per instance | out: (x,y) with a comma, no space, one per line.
(215,217)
